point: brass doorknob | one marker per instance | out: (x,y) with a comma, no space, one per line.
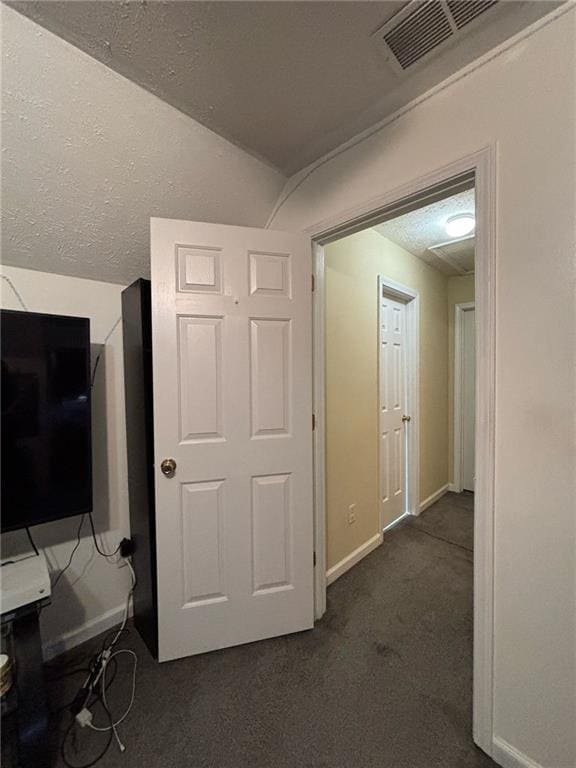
(406,418)
(168,467)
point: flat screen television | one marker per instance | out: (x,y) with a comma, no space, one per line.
(46,420)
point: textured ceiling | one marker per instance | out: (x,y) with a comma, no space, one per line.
(422,229)
(88,158)
(287,81)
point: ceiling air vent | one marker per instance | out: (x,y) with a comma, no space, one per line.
(465,11)
(423,26)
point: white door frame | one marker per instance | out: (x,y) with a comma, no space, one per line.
(459,310)
(411,299)
(481,167)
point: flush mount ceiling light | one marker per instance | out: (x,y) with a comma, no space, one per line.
(461,224)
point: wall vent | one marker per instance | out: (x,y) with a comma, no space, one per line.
(423,26)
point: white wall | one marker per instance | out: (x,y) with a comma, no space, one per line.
(88,157)
(93,590)
(523,101)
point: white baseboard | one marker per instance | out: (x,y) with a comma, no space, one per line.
(454,488)
(84,632)
(354,557)
(433,498)
(509,757)
(396,522)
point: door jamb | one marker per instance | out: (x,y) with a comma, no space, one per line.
(411,300)
(459,310)
(319,434)
(481,165)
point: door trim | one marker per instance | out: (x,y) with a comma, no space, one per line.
(411,299)
(319,434)
(459,310)
(480,168)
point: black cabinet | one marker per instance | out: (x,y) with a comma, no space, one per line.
(137,332)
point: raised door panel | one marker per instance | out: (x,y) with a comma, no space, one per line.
(199,269)
(202,543)
(270,274)
(397,462)
(396,377)
(200,378)
(385,466)
(384,387)
(270,377)
(271,533)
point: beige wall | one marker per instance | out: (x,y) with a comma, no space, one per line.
(460,289)
(352,268)
(523,103)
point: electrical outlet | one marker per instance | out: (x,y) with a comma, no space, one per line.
(351,514)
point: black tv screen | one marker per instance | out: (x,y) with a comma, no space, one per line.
(46,429)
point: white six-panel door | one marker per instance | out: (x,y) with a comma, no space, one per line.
(468,398)
(233,409)
(392,396)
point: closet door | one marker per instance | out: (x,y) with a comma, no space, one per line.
(393,399)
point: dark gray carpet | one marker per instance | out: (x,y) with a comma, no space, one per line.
(445,519)
(385,679)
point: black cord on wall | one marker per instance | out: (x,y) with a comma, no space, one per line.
(99,355)
(100,552)
(69,563)
(34,547)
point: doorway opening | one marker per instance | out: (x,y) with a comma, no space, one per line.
(391,376)
(421,467)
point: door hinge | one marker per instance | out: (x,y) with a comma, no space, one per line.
(313,422)
(314,559)
(313,283)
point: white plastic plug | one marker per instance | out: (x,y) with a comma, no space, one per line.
(84,717)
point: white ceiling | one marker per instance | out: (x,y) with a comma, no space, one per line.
(423,229)
(288,81)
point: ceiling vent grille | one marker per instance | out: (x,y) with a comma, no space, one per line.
(423,26)
(465,11)
(420,32)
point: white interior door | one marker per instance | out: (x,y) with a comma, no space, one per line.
(468,397)
(231,317)
(393,399)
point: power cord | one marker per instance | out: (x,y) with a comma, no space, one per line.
(96,685)
(81,670)
(99,355)
(114,725)
(94,760)
(16,292)
(69,563)
(34,547)
(100,551)
(124,543)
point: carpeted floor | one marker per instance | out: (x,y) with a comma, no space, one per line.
(384,680)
